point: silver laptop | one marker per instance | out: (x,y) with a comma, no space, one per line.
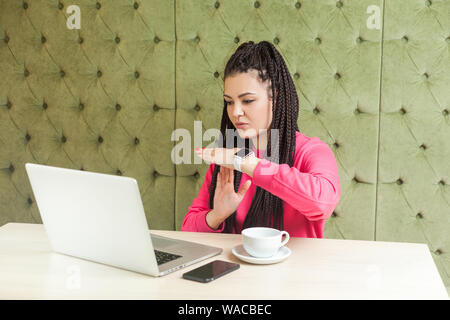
(100,217)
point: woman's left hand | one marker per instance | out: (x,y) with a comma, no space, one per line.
(221,156)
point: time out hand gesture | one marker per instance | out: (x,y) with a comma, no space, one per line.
(225,158)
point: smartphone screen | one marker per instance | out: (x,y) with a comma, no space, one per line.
(211,271)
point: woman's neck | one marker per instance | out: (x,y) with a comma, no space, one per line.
(260,141)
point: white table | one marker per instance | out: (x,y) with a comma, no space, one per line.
(317,269)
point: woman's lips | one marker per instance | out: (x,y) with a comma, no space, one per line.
(241,125)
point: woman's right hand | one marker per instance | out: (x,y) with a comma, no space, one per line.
(226,200)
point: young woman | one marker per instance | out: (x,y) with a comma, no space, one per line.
(299,191)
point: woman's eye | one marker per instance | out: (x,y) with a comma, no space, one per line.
(245,101)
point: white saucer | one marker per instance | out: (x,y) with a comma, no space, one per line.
(240,253)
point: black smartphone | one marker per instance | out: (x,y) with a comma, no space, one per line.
(211,271)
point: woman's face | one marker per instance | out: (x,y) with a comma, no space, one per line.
(248,103)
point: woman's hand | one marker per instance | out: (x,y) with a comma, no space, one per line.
(225,158)
(226,200)
(221,156)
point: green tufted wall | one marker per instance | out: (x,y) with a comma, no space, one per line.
(106,98)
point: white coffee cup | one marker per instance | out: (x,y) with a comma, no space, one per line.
(261,242)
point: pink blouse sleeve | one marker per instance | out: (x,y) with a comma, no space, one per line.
(314,191)
(195,218)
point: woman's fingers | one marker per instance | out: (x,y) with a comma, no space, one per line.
(243,189)
(204,154)
(215,155)
(220,177)
(228,175)
(225,175)
(231,176)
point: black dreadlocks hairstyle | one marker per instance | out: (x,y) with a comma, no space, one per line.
(266,209)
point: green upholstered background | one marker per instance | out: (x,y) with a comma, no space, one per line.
(106,98)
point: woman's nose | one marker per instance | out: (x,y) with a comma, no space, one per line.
(237,110)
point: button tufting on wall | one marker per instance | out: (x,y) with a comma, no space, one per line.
(63,139)
(62,73)
(355,180)
(438,252)
(399,181)
(216,4)
(98,5)
(82,169)
(136,74)
(30,201)
(428,3)
(276,40)
(136,141)
(25,5)
(425,76)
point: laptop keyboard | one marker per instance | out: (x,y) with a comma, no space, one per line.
(163,257)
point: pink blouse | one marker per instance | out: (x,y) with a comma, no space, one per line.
(309,189)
